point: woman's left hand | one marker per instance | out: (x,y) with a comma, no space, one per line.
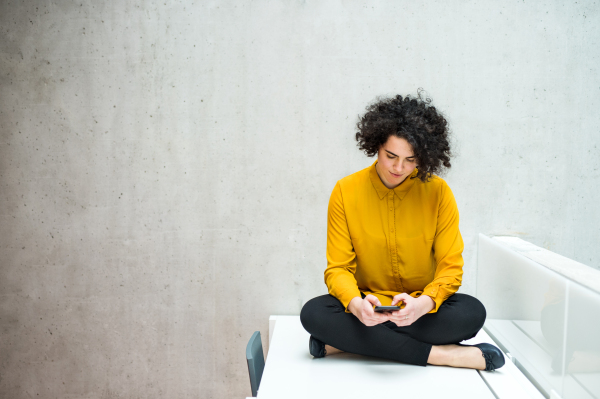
(414,309)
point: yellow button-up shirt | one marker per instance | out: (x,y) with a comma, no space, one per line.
(385,241)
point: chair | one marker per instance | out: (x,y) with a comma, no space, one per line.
(256,361)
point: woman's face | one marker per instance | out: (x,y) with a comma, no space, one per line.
(396,161)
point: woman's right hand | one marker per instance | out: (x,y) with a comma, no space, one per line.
(363,310)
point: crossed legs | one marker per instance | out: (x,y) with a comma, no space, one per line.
(460,317)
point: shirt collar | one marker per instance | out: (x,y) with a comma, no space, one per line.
(401,190)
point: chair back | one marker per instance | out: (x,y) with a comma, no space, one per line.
(256,361)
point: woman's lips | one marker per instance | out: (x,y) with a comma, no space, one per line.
(395,175)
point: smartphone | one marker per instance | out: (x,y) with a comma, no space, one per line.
(382,309)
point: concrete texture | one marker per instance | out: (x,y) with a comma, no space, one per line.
(165,166)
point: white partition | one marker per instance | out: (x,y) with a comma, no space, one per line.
(545,310)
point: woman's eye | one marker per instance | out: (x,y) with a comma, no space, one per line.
(411,160)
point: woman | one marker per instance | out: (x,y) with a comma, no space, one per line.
(393,239)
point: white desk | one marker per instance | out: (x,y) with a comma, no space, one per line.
(291,372)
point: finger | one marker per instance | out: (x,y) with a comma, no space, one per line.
(406,308)
(373,300)
(384,317)
(402,314)
(404,311)
(401,298)
(404,317)
(379,316)
(404,297)
(368,309)
(371,322)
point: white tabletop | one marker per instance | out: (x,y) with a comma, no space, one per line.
(291,372)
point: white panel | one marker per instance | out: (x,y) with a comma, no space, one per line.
(548,322)
(582,350)
(525,304)
(578,272)
(512,286)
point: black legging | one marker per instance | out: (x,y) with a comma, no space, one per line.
(460,317)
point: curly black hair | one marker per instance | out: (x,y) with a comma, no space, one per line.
(413,119)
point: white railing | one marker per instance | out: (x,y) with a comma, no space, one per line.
(544,309)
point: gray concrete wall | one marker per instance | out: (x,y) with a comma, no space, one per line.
(165,166)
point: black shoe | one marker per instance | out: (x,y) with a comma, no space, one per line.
(316,347)
(494,358)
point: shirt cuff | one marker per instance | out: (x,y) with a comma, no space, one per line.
(434,293)
(348,296)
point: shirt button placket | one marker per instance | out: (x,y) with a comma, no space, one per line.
(392,224)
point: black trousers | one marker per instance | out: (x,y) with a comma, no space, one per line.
(460,317)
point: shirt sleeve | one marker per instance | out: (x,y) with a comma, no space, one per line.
(447,251)
(341,258)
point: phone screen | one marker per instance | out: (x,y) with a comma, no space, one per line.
(386,308)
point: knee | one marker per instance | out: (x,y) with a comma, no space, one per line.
(314,313)
(474,312)
(477,312)
(308,315)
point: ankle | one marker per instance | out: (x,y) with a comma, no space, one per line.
(442,355)
(330,350)
(469,357)
(456,356)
